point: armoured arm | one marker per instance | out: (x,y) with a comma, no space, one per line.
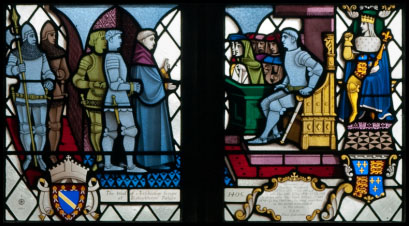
(47,75)
(347,52)
(46,71)
(79,78)
(12,68)
(314,68)
(115,82)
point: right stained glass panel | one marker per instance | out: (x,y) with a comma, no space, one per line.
(314,113)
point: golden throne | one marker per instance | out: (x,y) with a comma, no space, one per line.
(314,125)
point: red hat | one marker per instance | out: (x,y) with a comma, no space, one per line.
(250,36)
(274,37)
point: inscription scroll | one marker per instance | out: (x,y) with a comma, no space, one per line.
(155,195)
(291,198)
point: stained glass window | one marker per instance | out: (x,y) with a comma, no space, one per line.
(202,112)
(313,113)
(92,113)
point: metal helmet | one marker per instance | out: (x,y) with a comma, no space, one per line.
(26,30)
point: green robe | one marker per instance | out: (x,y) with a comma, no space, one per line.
(253,66)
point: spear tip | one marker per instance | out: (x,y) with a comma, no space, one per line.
(14,15)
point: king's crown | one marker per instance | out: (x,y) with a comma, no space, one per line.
(367,19)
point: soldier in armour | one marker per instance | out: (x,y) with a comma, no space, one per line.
(117,107)
(298,64)
(56,58)
(38,79)
(90,76)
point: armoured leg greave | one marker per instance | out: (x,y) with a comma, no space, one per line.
(41,163)
(108,140)
(39,136)
(25,136)
(96,130)
(27,162)
(129,138)
(353,86)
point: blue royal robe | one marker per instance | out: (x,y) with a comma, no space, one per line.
(151,113)
(375,93)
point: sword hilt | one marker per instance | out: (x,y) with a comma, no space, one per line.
(115,109)
(114,100)
(83,102)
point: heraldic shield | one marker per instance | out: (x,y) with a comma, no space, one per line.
(68,199)
(368,173)
(69,195)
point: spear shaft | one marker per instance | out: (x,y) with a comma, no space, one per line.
(15,18)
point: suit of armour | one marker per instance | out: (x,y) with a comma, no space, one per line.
(37,77)
(91,65)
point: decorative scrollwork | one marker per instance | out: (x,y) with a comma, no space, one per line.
(334,201)
(346,157)
(314,185)
(271,212)
(347,167)
(390,171)
(349,8)
(386,11)
(312,216)
(273,187)
(248,206)
(351,11)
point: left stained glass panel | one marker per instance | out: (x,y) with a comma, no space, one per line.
(92,113)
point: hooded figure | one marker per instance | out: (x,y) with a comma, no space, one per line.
(38,76)
(56,58)
(244,65)
(253,66)
(151,107)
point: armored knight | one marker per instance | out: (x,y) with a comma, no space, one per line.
(117,106)
(90,76)
(38,77)
(56,58)
(367,75)
(299,66)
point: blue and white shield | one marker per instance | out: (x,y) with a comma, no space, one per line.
(68,200)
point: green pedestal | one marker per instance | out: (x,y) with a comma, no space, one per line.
(245,115)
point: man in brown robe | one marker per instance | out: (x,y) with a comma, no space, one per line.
(58,64)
